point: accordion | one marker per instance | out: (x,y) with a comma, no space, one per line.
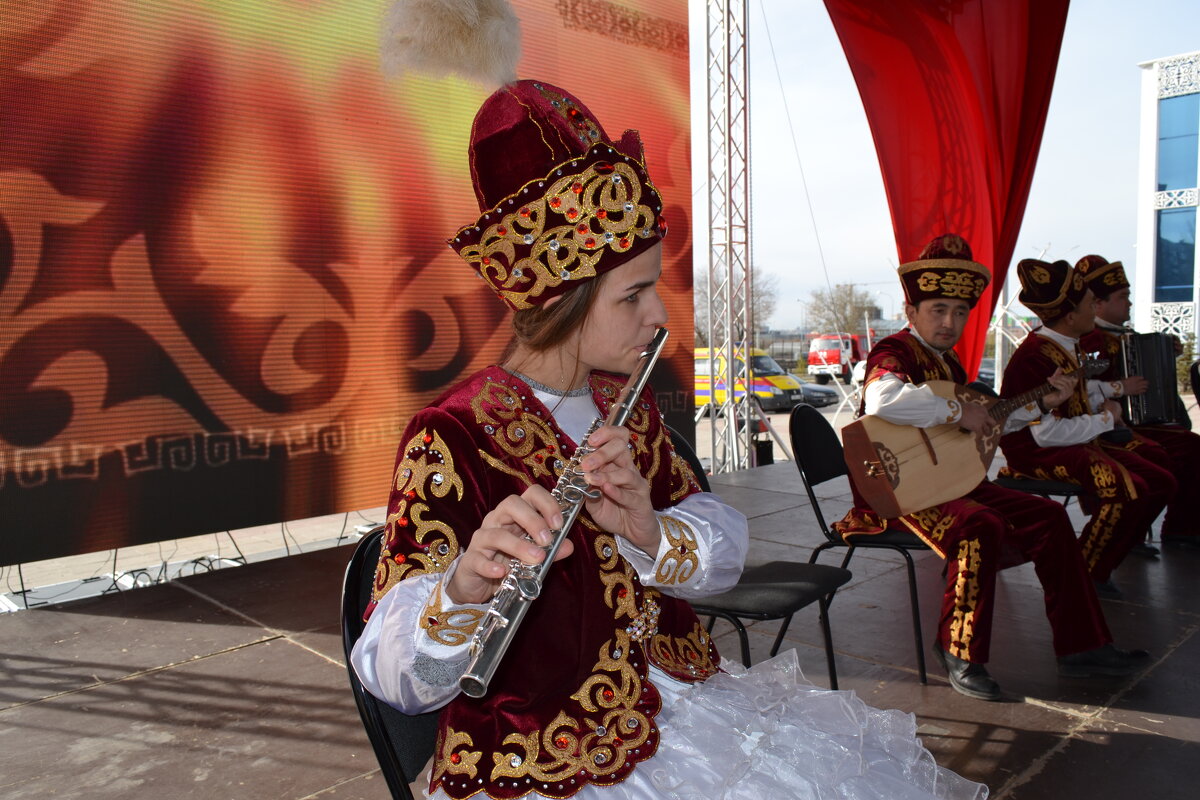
(1151,355)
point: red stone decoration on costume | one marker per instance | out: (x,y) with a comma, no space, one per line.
(554,235)
(945,270)
(561,201)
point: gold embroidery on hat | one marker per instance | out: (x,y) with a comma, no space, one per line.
(1114,277)
(1039,274)
(562,235)
(1077,281)
(952,284)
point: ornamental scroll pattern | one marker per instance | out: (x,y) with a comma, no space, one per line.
(1179,75)
(426,471)
(1176,318)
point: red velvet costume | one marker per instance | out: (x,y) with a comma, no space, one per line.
(987,530)
(1180,447)
(1129,491)
(575,707)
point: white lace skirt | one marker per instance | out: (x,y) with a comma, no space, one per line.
(767,734)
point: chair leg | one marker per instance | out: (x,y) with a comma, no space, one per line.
(915,604)
(779,636)
(823,603)
(743,637)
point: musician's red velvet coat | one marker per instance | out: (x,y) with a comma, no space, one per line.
(570,703)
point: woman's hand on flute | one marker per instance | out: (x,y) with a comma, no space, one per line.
(624,506)
(502,536)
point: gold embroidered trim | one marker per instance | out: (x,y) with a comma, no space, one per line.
(682,561)
(966,598)
(452,628)
(427,469)
(455,756)
(684,656)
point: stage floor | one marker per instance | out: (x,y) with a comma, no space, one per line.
(232,684)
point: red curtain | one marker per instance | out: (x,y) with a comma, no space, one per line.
(956,93)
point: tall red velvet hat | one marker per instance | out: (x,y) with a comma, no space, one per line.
(945,269)
(1050,289)
(561,202)
(1102,276)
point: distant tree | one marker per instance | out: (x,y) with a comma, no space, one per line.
(840,309)
(763,296)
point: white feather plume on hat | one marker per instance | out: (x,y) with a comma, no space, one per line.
(477,39)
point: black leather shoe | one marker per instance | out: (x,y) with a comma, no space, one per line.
(970,679)
(1108,590)
(1145,549)
(1107,660)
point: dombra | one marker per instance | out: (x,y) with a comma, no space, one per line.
(899,469)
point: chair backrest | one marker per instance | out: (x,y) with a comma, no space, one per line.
(818,454)
(684,449)
(403,743)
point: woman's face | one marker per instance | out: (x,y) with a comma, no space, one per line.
(624,316)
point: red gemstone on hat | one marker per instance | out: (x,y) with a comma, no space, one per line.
(602,214)
(590,242)
(455,758)
(410,494)
(572,213)
(399,558)
(608,694)
(573,112)
(486,262)
(555,202)
(577,187)
(633,437)
(622,592)
(427,438)
(501,231)
(603,168)
(624,242)
(538,457)
(402,522)
(582,228)
(524,212)
(562,742)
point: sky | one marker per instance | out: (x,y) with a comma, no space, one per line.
(1082,199)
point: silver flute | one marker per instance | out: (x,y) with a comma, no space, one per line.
(523,583)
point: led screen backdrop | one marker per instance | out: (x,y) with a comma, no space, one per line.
(223,279)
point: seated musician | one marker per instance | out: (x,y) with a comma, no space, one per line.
(990,528)
(610,688)
(1126,492)
(1181,447)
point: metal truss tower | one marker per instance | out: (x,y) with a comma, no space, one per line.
(730,321)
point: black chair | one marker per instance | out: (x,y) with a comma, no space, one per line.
(403,744)
(819,457)
(772,591)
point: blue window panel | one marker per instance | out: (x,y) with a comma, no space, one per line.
(1178,141)
(1175,256)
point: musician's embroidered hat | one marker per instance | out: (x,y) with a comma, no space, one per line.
(1103,277)
(944,269)
(561,201)
(1050,289)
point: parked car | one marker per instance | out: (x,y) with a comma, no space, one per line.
(817,395)
(775,388)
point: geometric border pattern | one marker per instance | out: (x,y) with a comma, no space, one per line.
(1175,198)
(1176,318)
(1179,75)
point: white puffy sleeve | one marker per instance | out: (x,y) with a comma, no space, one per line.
(701,551)
(402,658)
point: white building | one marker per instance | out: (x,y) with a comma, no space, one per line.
(1165,281)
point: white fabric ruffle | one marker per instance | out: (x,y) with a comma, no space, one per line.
(768,734)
